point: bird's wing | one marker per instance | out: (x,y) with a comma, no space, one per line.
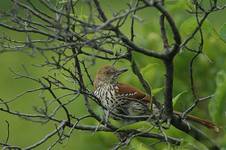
(132,92)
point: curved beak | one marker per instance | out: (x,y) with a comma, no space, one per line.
(120,71)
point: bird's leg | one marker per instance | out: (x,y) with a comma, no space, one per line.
(165,136)
(97,127)
(167,123)
(186,122)
(106,117)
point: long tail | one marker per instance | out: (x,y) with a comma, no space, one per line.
(203,122)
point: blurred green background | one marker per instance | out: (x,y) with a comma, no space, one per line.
(209,73)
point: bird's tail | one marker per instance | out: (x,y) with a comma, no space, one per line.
(203,122)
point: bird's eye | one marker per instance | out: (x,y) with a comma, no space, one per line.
(109,72)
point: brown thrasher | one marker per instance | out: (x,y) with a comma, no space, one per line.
(124,99)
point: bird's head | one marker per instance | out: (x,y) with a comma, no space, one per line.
(107,75)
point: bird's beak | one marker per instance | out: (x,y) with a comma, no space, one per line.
(120,71)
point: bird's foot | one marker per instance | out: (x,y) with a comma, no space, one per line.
(105,119)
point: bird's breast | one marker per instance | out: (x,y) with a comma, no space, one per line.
(107,95)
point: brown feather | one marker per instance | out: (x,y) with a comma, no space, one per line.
(133,92)
(107,75)
(203,122)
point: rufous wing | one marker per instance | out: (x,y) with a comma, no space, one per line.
(132,92)
(201,121)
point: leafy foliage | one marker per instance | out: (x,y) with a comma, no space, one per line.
(147,35)
(222,32)
(217,106)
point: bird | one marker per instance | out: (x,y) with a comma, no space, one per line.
(121,99)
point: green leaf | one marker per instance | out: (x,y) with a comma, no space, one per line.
(175,5)
(141,125)
(175,99)
(148,68)
(217,107)
(156,90)
(138,145)
(222,32)
(189,25)
(150,72)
